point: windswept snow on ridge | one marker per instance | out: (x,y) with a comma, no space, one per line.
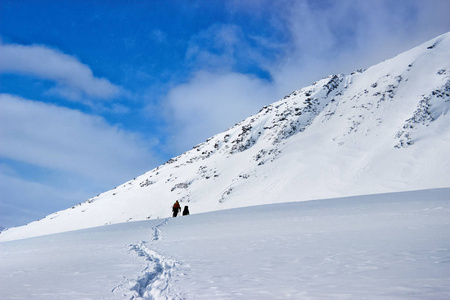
(378,130)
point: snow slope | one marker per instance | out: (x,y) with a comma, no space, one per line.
(384,129)
(389,246)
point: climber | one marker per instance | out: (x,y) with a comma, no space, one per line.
(176,208)
(186,211)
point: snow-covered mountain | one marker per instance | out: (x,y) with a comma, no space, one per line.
(383,129)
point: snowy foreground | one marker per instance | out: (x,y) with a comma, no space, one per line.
(387,246)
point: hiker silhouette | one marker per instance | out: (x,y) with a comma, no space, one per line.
(176,208)
(186,211)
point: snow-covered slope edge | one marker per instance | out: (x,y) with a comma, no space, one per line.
(380,130)
(392,246)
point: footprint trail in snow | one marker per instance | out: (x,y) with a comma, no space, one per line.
(154,283)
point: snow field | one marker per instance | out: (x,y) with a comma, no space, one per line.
(368,247)
(387,246)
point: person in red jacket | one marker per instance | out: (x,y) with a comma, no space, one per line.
(176,208)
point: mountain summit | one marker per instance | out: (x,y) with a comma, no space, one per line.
(383,129)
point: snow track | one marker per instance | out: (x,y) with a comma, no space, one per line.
(157,229)
(154,283)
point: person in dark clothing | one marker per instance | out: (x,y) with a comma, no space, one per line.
(176,208)
(186,211)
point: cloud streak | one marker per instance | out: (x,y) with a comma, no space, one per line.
(60,138)
(74,80)
(58,156)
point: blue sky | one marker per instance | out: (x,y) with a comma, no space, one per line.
(94,93)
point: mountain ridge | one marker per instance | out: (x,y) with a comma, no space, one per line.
(383,129)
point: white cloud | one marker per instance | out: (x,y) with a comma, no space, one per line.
(69,141)
(342,36)
(226,47)
(210,103)
(74,80)
(52,157)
